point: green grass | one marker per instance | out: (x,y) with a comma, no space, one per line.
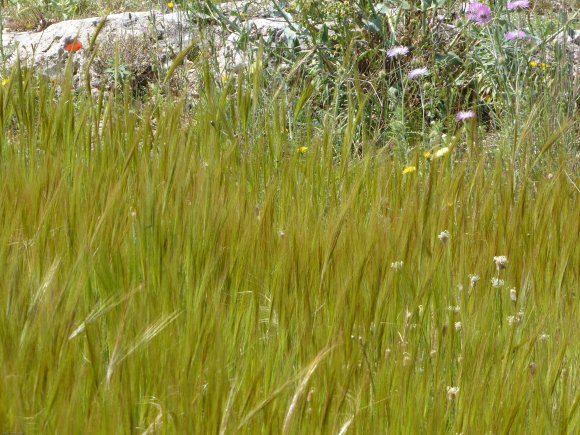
(192,272)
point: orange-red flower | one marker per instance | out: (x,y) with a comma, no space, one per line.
(74,46)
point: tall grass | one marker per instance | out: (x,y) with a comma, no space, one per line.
(168,271)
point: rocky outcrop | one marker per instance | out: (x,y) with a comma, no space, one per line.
(141,35)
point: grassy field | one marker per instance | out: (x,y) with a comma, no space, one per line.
(173,272)
(271,258)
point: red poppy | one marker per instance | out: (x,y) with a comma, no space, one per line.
(74,46)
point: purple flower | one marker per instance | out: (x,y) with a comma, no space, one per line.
(515,35)
(517,5)
(464,116)
(479,13)
(418,72)
(398,51)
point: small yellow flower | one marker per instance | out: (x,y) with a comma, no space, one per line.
(545,66)
(409,169)
(302,150)
(487,98)
(441,152)
(170,5)
(533,64)
(5,82)
(427,155)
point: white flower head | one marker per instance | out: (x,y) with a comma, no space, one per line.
(397,265)
(513,295)
(444,236)
(441,152)
(458,326)
(473,280)
(452,392)
(500,261)
(497,283)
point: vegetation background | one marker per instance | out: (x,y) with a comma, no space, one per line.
(316,245)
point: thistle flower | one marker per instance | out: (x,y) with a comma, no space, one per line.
(409,169)
(479,13)
(444,236)
(473,280)
(465,115)
(515,320)
(497,283)
(452,393)
(516,35)
(417,73)
(397,265)
(400,50)
(518,5)
(513,295)
(501,262)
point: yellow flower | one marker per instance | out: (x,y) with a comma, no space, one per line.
(441,152)
(409,169)
(170,5)
(427,155)
(544,66)
(533,64)
(302,150)
(487,98)
(5,82)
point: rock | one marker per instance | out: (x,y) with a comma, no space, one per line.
(145,37)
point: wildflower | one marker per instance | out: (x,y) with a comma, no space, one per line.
(400,50)
(444,236)
(458,326)
(473,280)
(515,35)
(452,392)
(302,150)
(5,82)
(441,152)
(515,320)
(427,155)
(397,265)
(497,283)
(417,73)
(545,66)
(517,5)
(533,64)
(454,309)
(501,262)
(74,46)
(170,5)
(479,13)
(409,169)
(513,295)
(465,115)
